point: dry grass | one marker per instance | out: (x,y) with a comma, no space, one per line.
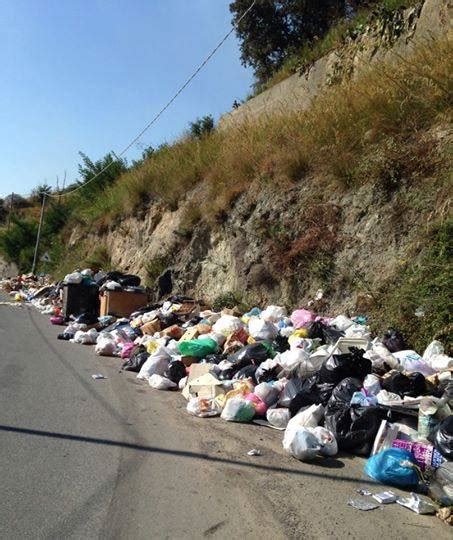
(340,139)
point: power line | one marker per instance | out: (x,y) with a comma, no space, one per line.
(156,117)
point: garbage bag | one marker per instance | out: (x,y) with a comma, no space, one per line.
(316,330)
(227,374)
(176,371)
(302,444)
(329,446)
(331,335)
(278,417)
(355,428)
(411,362)
(203,407)
(441,487)
(308,417)
(342,323)
(198,347)
(442,437)
(155,364)
(129,280)
(262,330)
(280,343)
(258,403)
(105,346)
(161,383)
(394,340)
(246,372)
(413,385)
(372,385)
(302,318)
(299,393)
(273,314)
(268,370)
(136,361)
(227,324)
(238,409)
(394,466)
(267,392)
(254,353)
(339,366)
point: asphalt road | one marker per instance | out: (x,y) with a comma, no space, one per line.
(114,458)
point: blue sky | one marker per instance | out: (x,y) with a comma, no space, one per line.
(89,74)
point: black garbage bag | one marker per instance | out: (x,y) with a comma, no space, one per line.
(215,358)
(324,391)
(136,361)
(129,280)
(255,353)
(227,374)
(394,341)
(340,366)
(442,437)
(412,385)
(246,372)
(299,393)
(280,344)
(355,428)
(176,371)
(266,375)
(66,336)
(86,318)
(331,335)
(316,330)
(169,320)
(342,394)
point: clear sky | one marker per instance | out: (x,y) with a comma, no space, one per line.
(89,74)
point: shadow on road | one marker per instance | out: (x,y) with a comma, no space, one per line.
(176,453)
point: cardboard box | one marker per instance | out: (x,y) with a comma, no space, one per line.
(122,303)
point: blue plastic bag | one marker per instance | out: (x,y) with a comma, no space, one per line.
(393,467)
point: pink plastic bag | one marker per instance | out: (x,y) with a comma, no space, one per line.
(127,349)
(302,317)
(258,403)
(57,319)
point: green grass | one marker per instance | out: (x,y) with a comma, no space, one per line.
(366,130)
(424,282)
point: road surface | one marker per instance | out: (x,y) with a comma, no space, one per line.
(114,458)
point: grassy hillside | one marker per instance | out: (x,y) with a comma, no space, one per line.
(389,129)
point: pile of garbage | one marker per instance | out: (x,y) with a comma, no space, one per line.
(326,382)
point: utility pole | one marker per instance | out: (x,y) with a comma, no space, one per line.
(38,237)
(10,209)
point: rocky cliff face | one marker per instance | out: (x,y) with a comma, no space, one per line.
(7,269)
(281,247)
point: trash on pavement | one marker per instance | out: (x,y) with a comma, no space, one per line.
(323,379)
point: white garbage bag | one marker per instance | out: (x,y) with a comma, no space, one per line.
(341,322)
(302,444)
(161,383)
(278,417)
(262,330)
(273,314)
(203,407)
(156,364)
(74,278)
(105,346)
(227,324)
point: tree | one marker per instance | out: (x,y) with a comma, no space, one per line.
(39,190)
(275,29)
(201,126)
(89,169)
(147,152)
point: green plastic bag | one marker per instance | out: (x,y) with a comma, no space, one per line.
(198,347)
